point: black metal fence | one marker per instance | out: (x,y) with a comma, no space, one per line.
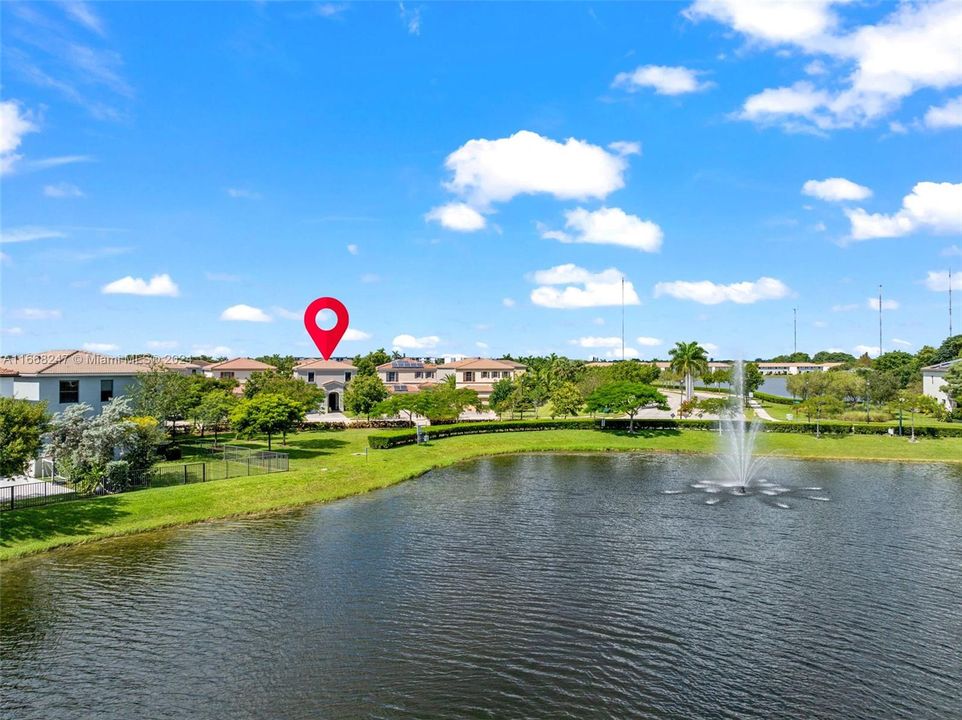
(221,464)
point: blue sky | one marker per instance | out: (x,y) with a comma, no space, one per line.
(477,179)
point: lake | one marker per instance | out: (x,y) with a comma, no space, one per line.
(539,586)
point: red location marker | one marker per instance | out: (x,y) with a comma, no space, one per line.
(326,340)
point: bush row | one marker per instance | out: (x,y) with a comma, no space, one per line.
(381,441)
(777,399)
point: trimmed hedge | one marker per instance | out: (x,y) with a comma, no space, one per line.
(777,399)
(383,441)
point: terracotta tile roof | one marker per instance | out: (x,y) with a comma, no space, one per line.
(482,364)
(72,362)
(324,365)
(7,372)
(241,364)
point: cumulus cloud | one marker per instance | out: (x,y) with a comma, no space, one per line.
(29,233)
(11,330)
(649,341)
(607,226)
(939,281)
(508,302)
(616,354)
(212,350)
(245,313)
(935,207)
(100,347)
(710,293)
(62,191)
(158,285)
(625,147)
(582,288)
(835,189)
(457,216)
(489,171)
(481,345)
(353,249)
(14,124)
(873,304)
(945,116)
(860,350)
(663,79)
(353,334)
(161,344)
(598,342)
(914,47)
(409,342)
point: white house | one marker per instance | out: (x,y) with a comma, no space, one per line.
(332,376)
(480,374)
(65,377)
(239,369)
(407,375)
(933,382)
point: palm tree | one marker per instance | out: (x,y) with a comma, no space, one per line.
(688,359)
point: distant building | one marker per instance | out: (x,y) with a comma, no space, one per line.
(66,377)
(332,376)
(794,368)
(480,374)
(933,383)
(407,375)
(239,369)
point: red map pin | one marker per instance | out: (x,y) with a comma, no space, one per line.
(326,340)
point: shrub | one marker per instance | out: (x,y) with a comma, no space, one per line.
(171,452)
(117,475)
(776,399)
(859,416)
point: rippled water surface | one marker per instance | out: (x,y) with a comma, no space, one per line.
(537,586)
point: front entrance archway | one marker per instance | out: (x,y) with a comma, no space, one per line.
(333,402)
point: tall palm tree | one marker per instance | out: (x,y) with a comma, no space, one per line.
(688,359)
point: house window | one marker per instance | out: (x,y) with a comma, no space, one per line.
(347,377)
(392,377)
(418,375)
(468,376)
(429,375)
(495,374)
(106,390)
(69,391)
(485,374)
(310,377)
(226,374)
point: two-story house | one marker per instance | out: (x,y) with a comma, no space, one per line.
(239,369)
(332,376)
(934,385)
(480,374)
(407,375)
(66,377)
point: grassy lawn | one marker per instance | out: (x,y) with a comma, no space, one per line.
(332,464)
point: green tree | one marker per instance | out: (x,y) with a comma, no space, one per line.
(902,365)
(363,393)
(566,400)
(792,358)
(22,425)
(267,414)
(821,406)
(500,398)
(283,364)
(214,411)
(162,394)
(689,360)
(626,398)
(752,378)
(953,383)
(950,349)
(833,356)
(309,395)
(367,364)
(408,403)
(634,371)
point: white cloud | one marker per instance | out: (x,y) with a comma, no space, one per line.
(14,124)
(860,350)
(845,308)
(353,249)
(946,116)
(710,347)
(212,350)
(835,189)
(158,285)
(914,47)
(481,345)
(11,330)
(457,216)
(900,341)
(599,321)
(873,304)
(583,288)
(598,342)
(411,17)
(245,313)
(287,314)
(508,302)
(649,341)
(353,334)
(487,171)
(161,344)
(409,342)
(83,14)
(936,207)
(38,314)
(330,10)
(709,293)
(616,354)
(625,147)
(607,226)
(662,79)
(100,347)
(769,21)
(243,194)
(29,233)
(63,190)
(939,281)
(57,161)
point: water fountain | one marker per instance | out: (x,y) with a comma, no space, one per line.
(740,435)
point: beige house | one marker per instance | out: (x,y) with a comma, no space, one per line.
(933,383)
(239,369)
(407,375)
(332,376)
(480,374)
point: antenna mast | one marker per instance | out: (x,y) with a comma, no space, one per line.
(622,317)
(879,319)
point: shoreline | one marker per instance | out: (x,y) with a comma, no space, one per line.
(29,533)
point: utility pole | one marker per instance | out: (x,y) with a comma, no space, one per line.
(622,317)
(879,319)
(795,330)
